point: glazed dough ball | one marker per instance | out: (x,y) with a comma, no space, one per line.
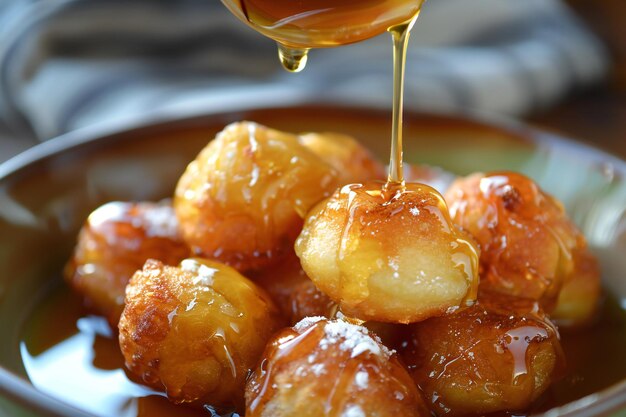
(579,299)
(293,291)
(195,331)
(525,236)
(389,256)
(308,301)
(242,200)
(353,162)
(499,355)
(330,368)
(115,241)
(281,281)
(298,298)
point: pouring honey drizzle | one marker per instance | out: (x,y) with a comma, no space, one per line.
(293,59)
(298,26)
(401,34)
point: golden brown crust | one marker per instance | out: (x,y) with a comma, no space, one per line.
(352,161)
(389,256)
(308,301)
(498,355)
(115,241)
(579,299)
(195,331)
(330,368)
(243,199)
(280,281)
(526,239)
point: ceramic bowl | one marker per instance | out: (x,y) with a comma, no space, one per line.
(47,192)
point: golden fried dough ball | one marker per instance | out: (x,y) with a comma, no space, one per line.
(115,241)
(353,161)
(389,256)
(525,236)
(280,281)
(579,298)
(195,331)
(308,301)
(326,367)
(498,355)
(298,298)
(242,200)
(293,291)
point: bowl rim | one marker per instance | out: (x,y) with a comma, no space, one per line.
(19,390)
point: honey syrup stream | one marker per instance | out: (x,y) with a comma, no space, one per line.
(401,35)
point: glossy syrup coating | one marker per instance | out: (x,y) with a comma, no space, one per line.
(353,162)
(526,239)
(298,298)
(115,241)
(195,331)
(498,355)
(330,368)
(280,281)
(308,301)
(293,291)
(389,255)
(242,200)
(579,299)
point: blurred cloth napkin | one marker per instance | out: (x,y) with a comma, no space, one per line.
(73,63)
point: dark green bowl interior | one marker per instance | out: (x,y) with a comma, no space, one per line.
(46,194)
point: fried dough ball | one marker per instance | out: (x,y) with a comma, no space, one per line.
(195,331)
(326,367)
(498,355)
(281,281)
(298,298)
(242,200)
(353,161)
(389,256)
(578,301)
(525,236)
(115,241)
(308,301)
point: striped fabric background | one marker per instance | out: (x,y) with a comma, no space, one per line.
(72,63)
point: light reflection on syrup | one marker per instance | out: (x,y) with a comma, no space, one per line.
(72,370)
(75,358)
(81,363)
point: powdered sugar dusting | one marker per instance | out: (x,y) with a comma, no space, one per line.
(203,274)
(160,220)
(352,338)
(307,322)
(361,379)
(353,411)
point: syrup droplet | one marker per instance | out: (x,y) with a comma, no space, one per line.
(293,59)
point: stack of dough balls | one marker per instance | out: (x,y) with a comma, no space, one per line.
(269,229)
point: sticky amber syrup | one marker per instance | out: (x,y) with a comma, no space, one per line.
(76,358)
(300,25)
